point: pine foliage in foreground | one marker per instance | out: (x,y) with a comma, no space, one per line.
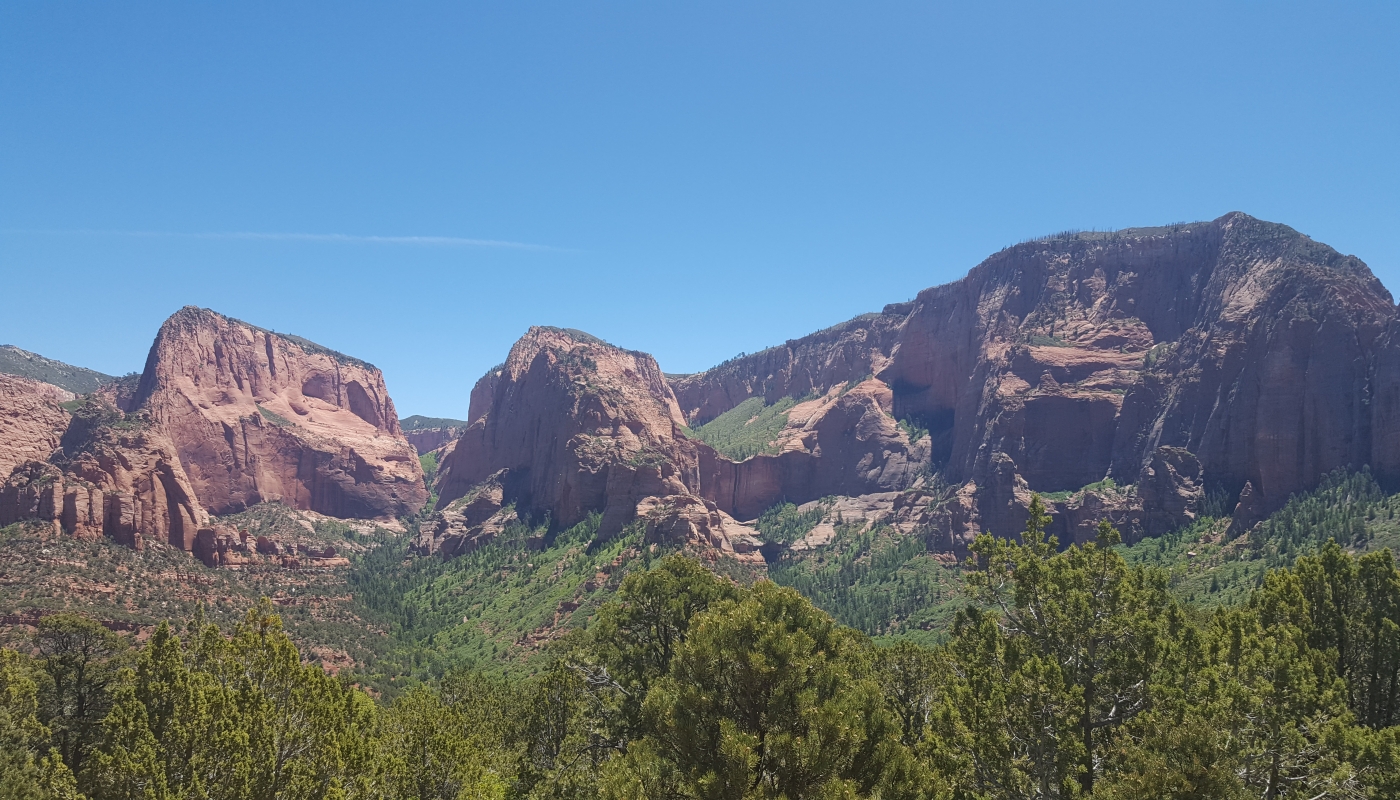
(1073,674)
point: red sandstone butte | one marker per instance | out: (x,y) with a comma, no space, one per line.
(226,415)
(258,416)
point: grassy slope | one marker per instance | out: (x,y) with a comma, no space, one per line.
(495,608)
(747,429)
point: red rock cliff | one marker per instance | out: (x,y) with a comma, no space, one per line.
(258,416)
(853,350)
(31,421)
(1268,357)
(1240,341)
(572,425)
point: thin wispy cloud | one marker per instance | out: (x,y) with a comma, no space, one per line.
(330,238)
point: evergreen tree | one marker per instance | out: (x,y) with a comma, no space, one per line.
(1061,655)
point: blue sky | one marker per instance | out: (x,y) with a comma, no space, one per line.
(417,183)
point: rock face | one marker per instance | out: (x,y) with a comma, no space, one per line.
(426,440)
(31,420)
(1240,341)
(229,547)
(844,442)
(574,426)
(226,415)
(113,476)
(1124,372)
(811,364)
(699,524)
(429,433)
(258,416)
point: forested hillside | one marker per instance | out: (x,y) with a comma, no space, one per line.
(1070,673)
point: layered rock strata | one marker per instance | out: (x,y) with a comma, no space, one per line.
(813,364)
(111,476)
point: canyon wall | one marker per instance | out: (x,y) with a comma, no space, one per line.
(1170,360)
(258,416)
(225,416)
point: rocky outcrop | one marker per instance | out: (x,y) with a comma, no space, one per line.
(114,476)
(427,434)
(844,442)
(225,416)
(32,421)
(426,440)
(854,350)
(576,426)
(573,426)
(258,416)
(230,547)
(467,522)
(699,526)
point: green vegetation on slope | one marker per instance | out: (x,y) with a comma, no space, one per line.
(275,418)
(1071,674)
(876,580)
(43,573)
(429,462)
(14,361)
(418,422)
(747,429)
(1206,567)
(785,524)
(494,608)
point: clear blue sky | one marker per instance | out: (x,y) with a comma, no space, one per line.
(692,180)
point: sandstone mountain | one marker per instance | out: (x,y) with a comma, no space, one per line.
(225,416)
(571,425)
(260,416)
(1120,374)
(32,420)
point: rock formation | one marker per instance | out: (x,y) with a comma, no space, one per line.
(844,442)
(812,364)
(574,425)
(32,421)
(113,475)
(1240,341)
(430,433)
(1122,371)
(258,416)
(226,415)
(699,526)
